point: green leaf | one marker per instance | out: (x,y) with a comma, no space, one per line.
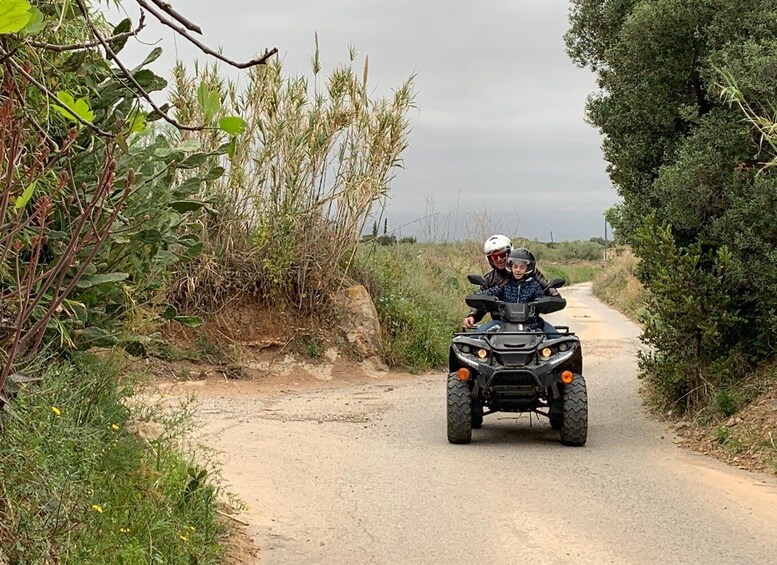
(94,280)
(231,147)
(189,321)
(71,108)
(149,237)
(209,101)
(166,258)
(233,125)
(153,56)
(214,173)
(188,145)
(24,198)
(186,205)
(149,81)
(96,336)
(137,121)
(192,161)
(83,111)
(124,26)
(14,15)
(170,313)
(36,23)
(187,188)
(192,251)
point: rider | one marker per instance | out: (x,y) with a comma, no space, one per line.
(497,248)
(522,288)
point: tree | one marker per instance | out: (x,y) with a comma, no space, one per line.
(685,164)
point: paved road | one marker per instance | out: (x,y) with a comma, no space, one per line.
(364,474)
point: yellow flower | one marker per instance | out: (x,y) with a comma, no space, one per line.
(124,530)
(192,528)
(97,508)
(183,537)
(56,410)
(114,427)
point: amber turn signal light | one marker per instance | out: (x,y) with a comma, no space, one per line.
(566,377)
(463,374)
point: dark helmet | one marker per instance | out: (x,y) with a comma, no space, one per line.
(521,255)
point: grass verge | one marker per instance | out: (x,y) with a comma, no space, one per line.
(738,424)
(419,289)
(617,286)
(77,487)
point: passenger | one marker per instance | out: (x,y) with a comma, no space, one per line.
(522,287)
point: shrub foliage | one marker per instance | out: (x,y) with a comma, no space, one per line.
(687,167)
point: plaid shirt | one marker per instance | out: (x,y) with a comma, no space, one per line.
(523,291)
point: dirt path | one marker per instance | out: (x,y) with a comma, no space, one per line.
(344,472)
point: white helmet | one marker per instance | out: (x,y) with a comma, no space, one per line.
(497,243)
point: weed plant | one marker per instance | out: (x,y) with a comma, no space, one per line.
(77,488)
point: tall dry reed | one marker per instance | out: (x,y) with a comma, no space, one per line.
(316,158)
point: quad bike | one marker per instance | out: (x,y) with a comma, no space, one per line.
(516,369)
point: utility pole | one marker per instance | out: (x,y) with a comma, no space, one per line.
(605,239)
(551,239)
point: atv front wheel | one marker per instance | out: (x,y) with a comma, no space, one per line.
(459,410)
(574,420)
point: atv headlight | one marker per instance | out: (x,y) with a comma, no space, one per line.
(482,353)
(466,348)
(546,353)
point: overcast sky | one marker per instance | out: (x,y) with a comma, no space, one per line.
(499,127)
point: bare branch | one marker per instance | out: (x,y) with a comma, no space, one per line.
(128,75)
(204,48)
(168,9)
(88,44)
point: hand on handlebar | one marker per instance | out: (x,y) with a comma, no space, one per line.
(468,322)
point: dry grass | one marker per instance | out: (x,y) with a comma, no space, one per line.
(617,286)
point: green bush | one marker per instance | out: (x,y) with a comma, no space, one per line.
(76,486)
(687,162)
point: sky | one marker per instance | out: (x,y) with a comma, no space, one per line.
(498,139)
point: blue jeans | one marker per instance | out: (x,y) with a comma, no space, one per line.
(549,330)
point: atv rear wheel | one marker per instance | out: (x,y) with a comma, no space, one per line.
(574,421)
(459,410)
(477,414)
